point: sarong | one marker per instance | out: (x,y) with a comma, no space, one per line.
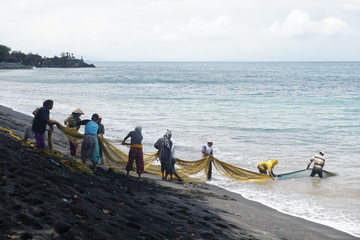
(135,154)
(40,140)
(90,148)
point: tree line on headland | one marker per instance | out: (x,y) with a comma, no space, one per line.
(17,59)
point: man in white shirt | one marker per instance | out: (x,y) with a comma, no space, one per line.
(207,150)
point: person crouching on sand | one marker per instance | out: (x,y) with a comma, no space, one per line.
(41,119)
(135,152)
(90,144)
(267,167)
(319,163)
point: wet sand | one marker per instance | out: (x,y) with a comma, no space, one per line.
(41,199)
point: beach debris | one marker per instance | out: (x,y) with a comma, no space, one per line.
(74,197)
(57,164)
(106,211)
(11,236)
(66,200)
(225,197)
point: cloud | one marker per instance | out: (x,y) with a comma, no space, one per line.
(298,23)
(182,29)
(352,6)
(196,28)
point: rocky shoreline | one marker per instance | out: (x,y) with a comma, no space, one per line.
(6,65)
(48,63)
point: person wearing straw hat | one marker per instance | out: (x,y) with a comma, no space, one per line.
(71,122)
(319,163)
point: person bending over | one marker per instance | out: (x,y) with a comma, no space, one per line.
(319,163)
(90,144)
(135,152)
(266,167)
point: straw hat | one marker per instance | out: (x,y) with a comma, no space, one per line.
(78,111)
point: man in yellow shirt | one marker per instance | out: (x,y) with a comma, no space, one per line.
(267,167)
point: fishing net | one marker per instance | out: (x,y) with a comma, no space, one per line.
(304,173)
(194,171)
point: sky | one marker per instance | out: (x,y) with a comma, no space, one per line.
(184,30)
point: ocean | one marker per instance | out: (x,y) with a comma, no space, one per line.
(254,111)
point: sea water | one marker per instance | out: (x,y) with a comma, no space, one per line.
(253,111)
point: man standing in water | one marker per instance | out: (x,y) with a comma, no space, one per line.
(319,162)
(207,151)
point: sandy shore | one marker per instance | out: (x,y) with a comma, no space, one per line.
(41,199)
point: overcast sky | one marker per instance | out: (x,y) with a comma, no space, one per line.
(184,30)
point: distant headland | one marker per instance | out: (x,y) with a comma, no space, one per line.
(18,60)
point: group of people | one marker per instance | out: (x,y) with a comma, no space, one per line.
(267,167)
(93,127)
(90,146)
(91,150)
(165,153)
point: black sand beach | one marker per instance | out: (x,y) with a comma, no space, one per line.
(41,199)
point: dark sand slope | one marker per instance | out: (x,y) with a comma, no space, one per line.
(41,199)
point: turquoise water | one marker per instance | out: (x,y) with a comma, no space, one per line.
(254,111)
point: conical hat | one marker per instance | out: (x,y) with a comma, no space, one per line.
(78,111)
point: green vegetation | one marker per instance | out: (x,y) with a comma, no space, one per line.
(66,60)
(4,52)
